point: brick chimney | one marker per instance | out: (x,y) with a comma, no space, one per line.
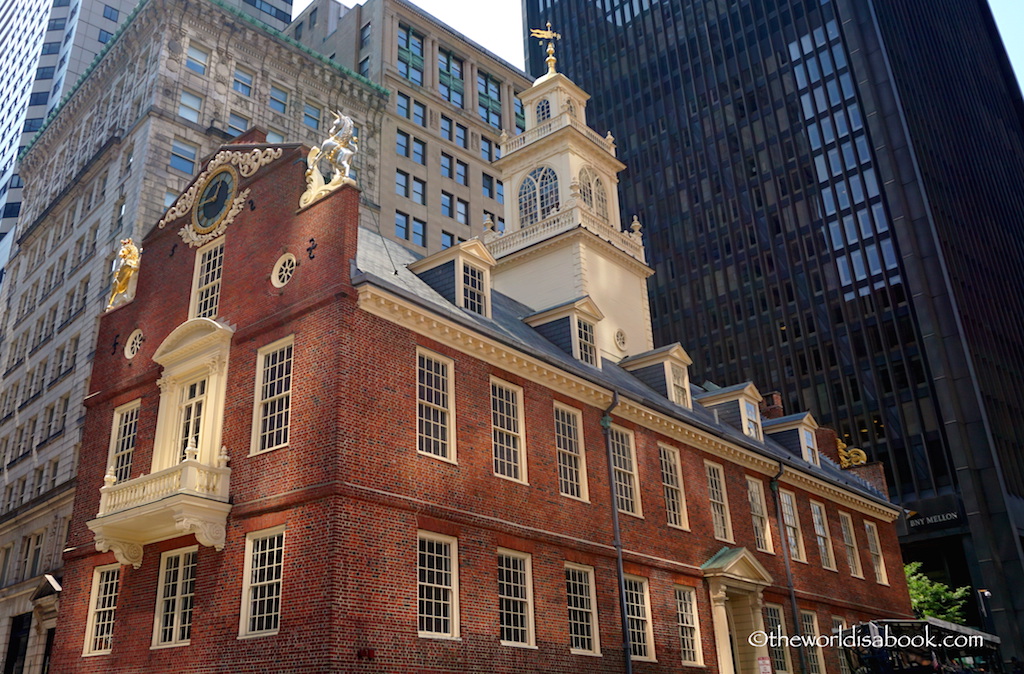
(771,405)
(827,440)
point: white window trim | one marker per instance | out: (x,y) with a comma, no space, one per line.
(770,549)
(816,649)
(156,644)
(801,554)
(635,473)
(881,573)
(670,367)
(698,646)
(450,364)
(197,270)
(684,524)
(729,536)
(520,414)
(243,614)
(200,347)
(460,294)
(648,622)
(744,402)
(810,452)
(254,447)
(848,519)
(785,648)
(93,597)
(119,413)
(595,632)
(531,637)
(454,617)
(582,455)
(577,343)
(828,536)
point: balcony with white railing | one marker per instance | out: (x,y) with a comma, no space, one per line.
(548,127)
(630,243)
(188,498)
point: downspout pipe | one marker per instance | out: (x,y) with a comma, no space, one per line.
(774,484)
(606,425)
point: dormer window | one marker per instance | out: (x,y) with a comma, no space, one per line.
(543,110)
(809,446)
(679,392)
(571,326)
(538,196)
(474,289)
(586,345)
(461,274)
(751,420)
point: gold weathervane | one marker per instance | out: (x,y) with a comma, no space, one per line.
(551,36)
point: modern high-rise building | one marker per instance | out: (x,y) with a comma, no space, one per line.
(831,196)
(45,46)
(450,101)
(175,84)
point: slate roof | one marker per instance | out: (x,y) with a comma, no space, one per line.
(382,263)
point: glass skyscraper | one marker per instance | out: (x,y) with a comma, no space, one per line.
(831,193)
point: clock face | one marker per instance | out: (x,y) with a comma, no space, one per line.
(214,201)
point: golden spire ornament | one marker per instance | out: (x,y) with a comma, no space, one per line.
(551,36)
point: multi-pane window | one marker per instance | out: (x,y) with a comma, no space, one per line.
(627,495)
(582,604)
(419,191)
(449,77)
(190,106)
(32,545)
(719,501)
(402,183)
(461,136)
(680,385)
(641,636)
(759,515)
(507,431)
(515,598)
(403,105)
(110,13)
(487,185)
(311,115)
(434,405)
(791,522)
(809,628)
(543,110)
(474,289)
(175,598)
(751,420)
(488,151)
(102,607)
(126,425)
(419,232)
(364,35)
(273,407)
(520,115)
(183,156)
(850,543)
(278,100)
(686,620)
(437,585)
(462,211)
(190,415)
(237,125)
(838,626)
(821,535)
(419,113)
(461,172)
(242,82)
(410,54)
(775,624)
(419,151)
(447,165)
(206,291)
(401,225)
(447,205)
(261,589)
(197,59)
(488,95)
(585,341)
(572,478)
(875,549)
(538,196)
(672,487)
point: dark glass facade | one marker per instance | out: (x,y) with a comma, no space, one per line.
(832,198)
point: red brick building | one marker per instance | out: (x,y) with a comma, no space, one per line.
(309,451)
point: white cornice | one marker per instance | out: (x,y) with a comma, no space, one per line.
(391,307)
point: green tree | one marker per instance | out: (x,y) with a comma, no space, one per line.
(932,598)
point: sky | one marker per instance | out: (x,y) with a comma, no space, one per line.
(478,19)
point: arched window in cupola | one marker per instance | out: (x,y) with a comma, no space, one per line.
(592,191)
(543,110)
(538,196)
(571,107)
